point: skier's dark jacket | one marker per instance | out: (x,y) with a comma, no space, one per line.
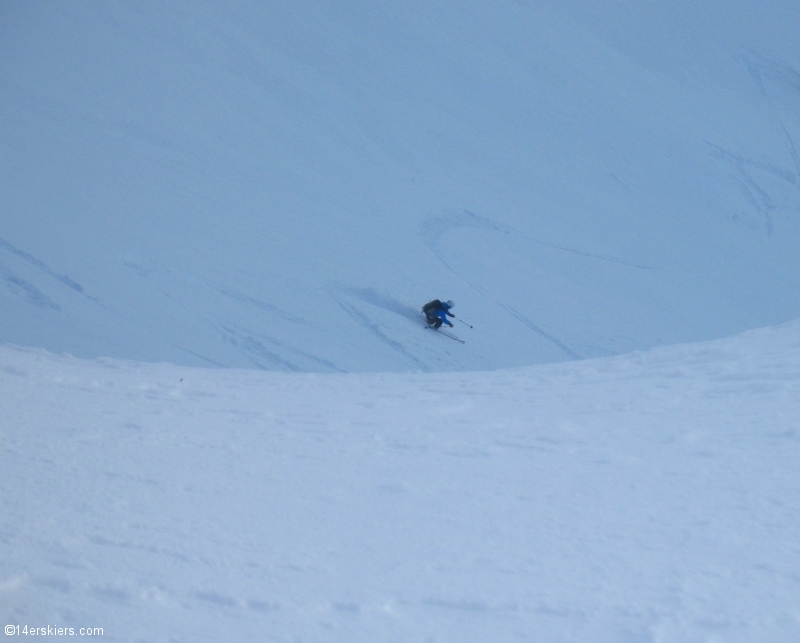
(437,311)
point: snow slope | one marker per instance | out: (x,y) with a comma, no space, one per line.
(282,185)
(650,497)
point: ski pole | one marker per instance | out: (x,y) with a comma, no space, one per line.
(463,322)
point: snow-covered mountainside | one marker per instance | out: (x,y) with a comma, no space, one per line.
(608,189)
(647,498)
(282,185)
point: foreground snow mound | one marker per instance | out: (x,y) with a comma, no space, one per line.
(648,497)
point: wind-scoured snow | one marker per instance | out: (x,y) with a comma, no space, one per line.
(214,184)
(650,497)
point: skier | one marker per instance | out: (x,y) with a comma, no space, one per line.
(437,312)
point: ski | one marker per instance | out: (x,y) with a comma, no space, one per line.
(441,332)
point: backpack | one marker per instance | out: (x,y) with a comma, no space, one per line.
(431,306)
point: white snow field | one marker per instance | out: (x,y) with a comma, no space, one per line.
(644,498)
(282,185)
(608,189)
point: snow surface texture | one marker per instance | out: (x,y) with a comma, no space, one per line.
(282,185)
(646,498)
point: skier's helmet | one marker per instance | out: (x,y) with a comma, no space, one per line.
(449,303)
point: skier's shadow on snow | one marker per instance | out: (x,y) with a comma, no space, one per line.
(369,296)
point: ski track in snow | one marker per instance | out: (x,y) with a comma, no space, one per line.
(766,73)
(253,343)
(270,308)
(553,340)
(18,286)
(41,266)
(646,497)
(436,227)
(258,351)
(373,327)
(370,296)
